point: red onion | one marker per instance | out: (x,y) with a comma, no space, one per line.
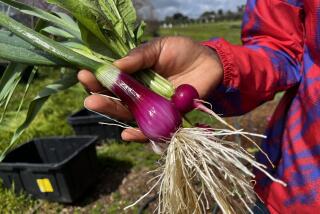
(156,116)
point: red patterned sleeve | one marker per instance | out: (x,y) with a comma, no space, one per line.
(269,60)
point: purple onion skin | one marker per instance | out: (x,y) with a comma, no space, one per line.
(156,117)
(184,98)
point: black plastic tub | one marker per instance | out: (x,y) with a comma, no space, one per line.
(2,68)
(55,169)
(85,122)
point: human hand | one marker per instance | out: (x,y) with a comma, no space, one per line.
(179,59)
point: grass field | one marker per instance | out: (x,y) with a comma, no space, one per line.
(52,122)
(203,32)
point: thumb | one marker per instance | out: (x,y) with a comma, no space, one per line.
(142,57)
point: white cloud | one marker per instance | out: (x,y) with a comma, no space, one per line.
(193,8)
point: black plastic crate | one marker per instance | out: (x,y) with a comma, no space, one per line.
(85,122)
(56,169)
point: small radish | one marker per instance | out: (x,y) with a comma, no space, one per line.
(184,98)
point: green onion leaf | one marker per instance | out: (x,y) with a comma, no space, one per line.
(65,17)
(127,13)
(139,32)
(7,37)
(59,22)
(57,32)
(8,84)
(30,79)
(51,47)
(28,56)
(87,13)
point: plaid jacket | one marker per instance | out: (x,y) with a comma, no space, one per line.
(280,52)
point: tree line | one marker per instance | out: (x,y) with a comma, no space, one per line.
(207,16)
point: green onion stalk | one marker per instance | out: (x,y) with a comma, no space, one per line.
(194,154)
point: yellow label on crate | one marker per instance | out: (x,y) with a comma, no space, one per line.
(45,185)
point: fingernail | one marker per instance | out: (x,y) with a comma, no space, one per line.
(125,135)
(86,102)
(131,134)
(89,103)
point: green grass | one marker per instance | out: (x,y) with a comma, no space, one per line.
(52,122)
(14,203)
(134,154)
(203,32)
(52,119)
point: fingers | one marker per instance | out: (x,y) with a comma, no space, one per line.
(132,134)
(90,82)
(108,107)
(116,110)
(145,56)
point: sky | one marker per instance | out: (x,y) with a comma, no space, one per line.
(193,8)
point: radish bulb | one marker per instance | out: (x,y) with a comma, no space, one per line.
(184,98)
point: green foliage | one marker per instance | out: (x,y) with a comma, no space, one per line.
(139,32)
(57,32)
(9,81)
(61,22)
(27,56)
(23,55)
(107,21)
(52,115)
(67,81)
(123,17)
(8,85)
(12,47)
(87,13)
(50,46)
(127,13)
(14,203)
(6,37)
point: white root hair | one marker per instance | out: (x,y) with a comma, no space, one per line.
(199,166)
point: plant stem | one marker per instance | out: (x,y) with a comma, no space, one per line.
(156,83)
(107,75)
